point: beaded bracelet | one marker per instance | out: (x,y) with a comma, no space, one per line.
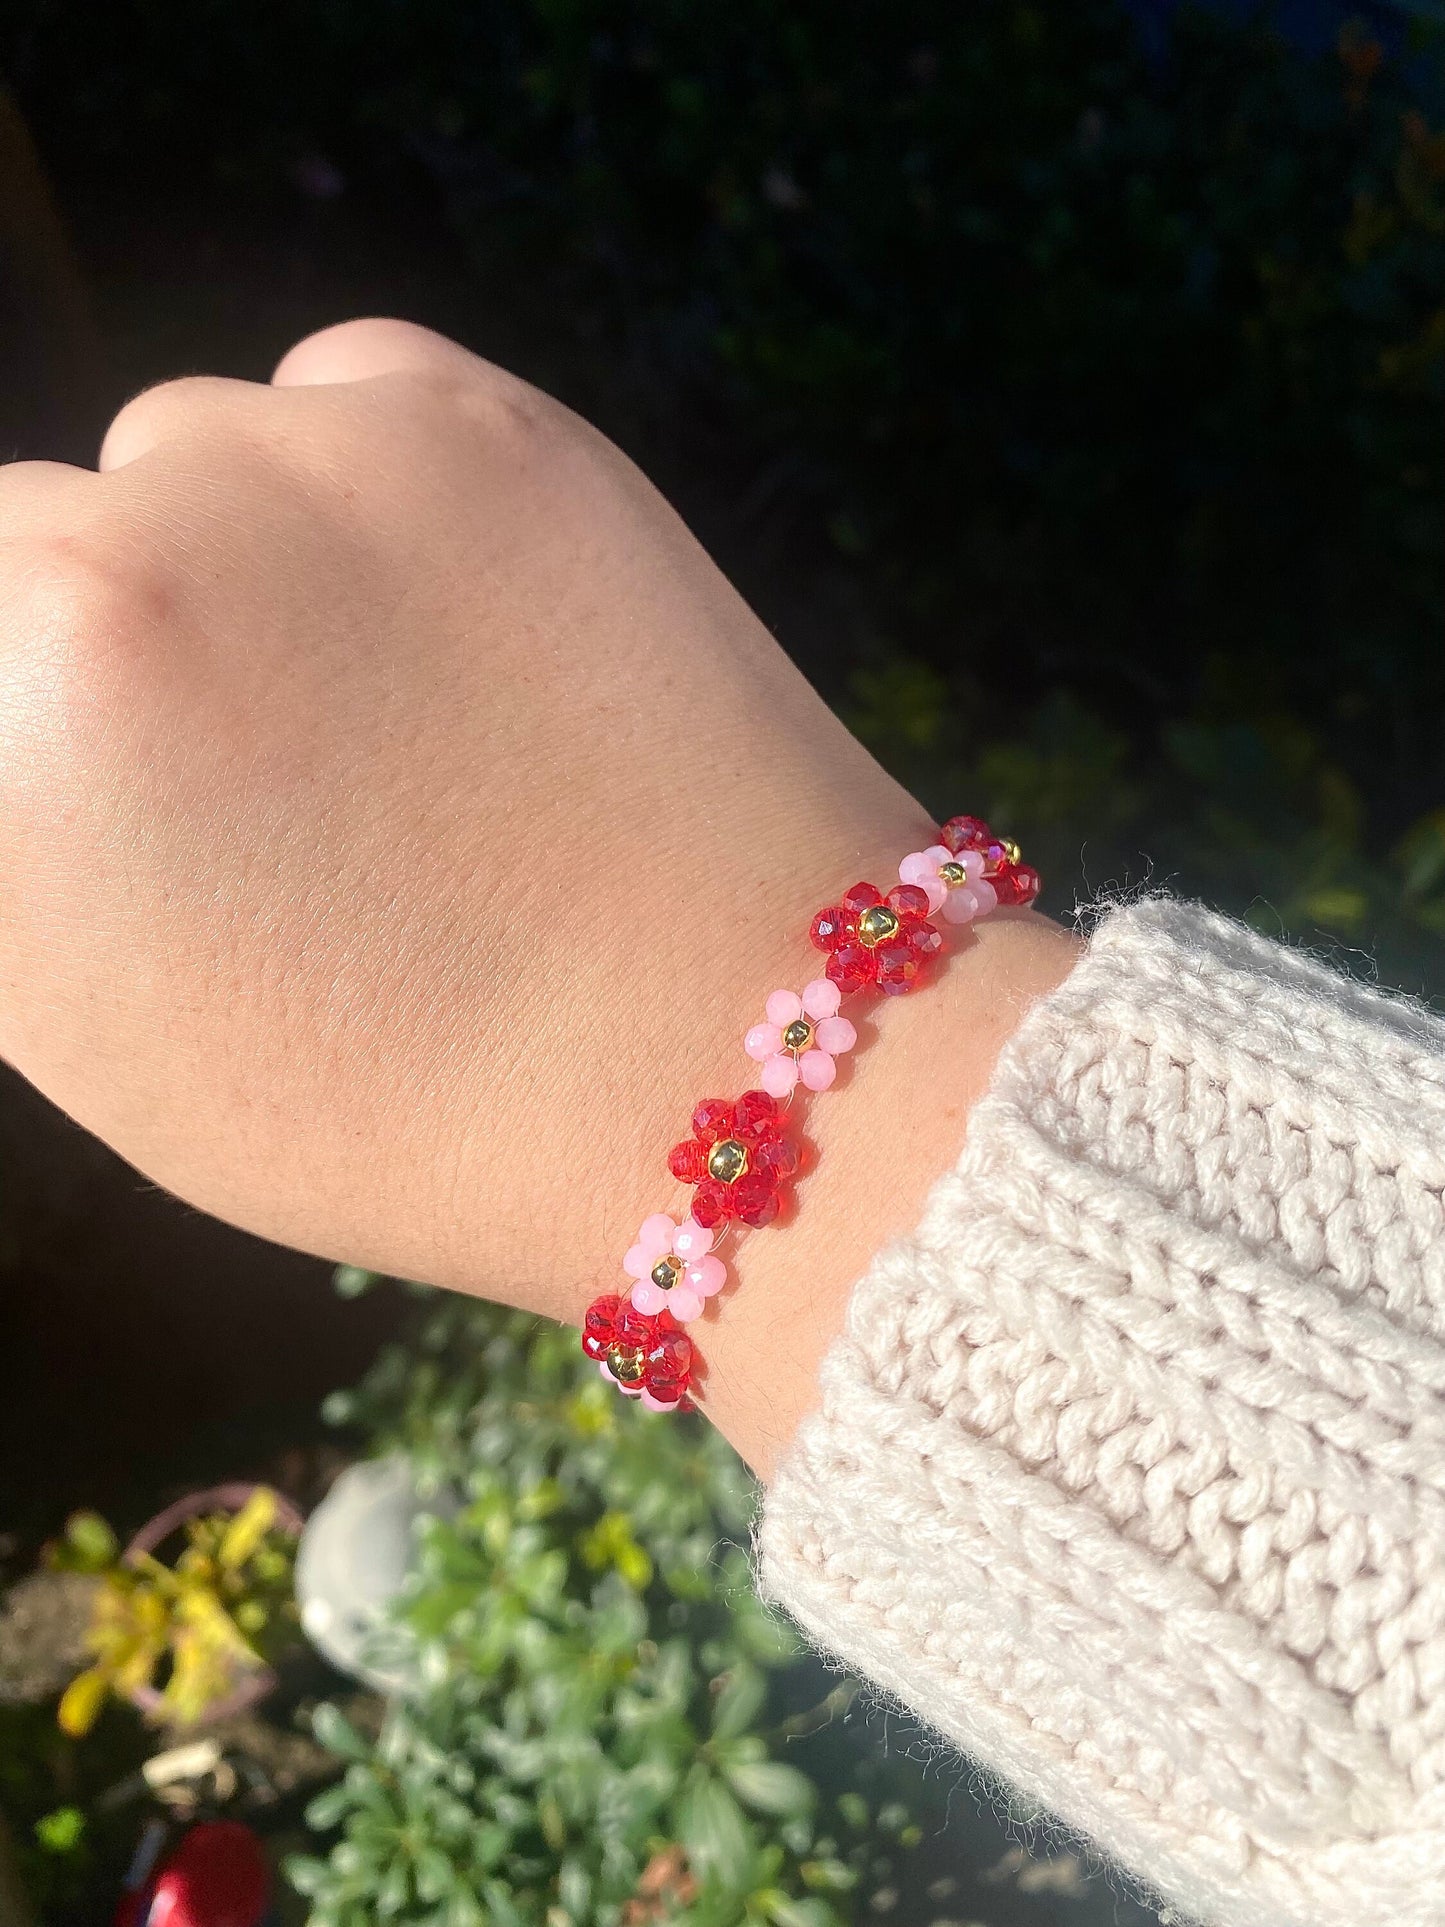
(740,1158)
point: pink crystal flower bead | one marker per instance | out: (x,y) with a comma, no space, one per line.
(674,1267)
(802,1039)
(955,885)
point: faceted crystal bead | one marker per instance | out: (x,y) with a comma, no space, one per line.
(688,1160)
(908,900)
(600,1324)
(710,1203)
(1016,883)
(779,1158)
(632,1327)
(925,941)
(860,898)
(851,967)
(669,1356)
(712,1119)
(755,1199)
(964,833)
(754,1115)
(897,967)
(829,928)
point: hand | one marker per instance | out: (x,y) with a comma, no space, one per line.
(401,820)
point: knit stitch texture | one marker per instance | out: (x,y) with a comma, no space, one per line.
(1129,1472)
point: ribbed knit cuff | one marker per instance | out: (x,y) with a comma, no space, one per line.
(1129,1474)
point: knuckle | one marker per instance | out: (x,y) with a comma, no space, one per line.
(178,393)
(508,406)
(166,409)
(79,609)
(485,398)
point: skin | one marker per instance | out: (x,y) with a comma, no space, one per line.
(401,821)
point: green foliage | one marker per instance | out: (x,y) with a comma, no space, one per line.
(1105,387)
(600,1732)
(1245,807)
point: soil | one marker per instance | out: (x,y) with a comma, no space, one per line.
(43,1623)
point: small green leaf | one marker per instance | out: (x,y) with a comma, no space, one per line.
(767,1786)
(739,1702)
(307,1874)
(808,1912)
(61,1831)
(337,1735)
(1336,907)
(350,1281)
(329,1808)
(89,1544)
(717,1839)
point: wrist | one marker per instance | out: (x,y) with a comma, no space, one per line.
(877,1146)
(873,1147)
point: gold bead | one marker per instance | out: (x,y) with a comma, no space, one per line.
(798,1035)
(626,1363)
(1011,850)
(727,1160)
(876,926)
(952,874)
(665,1273)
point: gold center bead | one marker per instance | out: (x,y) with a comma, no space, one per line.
(876,926)
(727,1160)
(665,1273)
(952,874)
(798,1035)
(1011,850)
(625,1362)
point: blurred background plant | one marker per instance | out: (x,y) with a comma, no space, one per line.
(1064,385)
(600,1724)
(187,1635)
(1076,389)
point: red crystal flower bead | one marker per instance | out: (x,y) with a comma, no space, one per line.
(1013,881)
(739,1159)
(876,940)
(640,1352)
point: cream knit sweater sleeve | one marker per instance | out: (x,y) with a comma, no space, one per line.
(1129,1472)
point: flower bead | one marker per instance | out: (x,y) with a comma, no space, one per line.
(954,884)
(876,940)
(738,1158)
(1013,880)
(674,1267)
(803,1038)
(649,1358)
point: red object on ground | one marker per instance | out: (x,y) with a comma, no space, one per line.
(216,1877)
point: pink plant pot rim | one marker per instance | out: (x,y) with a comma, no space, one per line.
(155,1532)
